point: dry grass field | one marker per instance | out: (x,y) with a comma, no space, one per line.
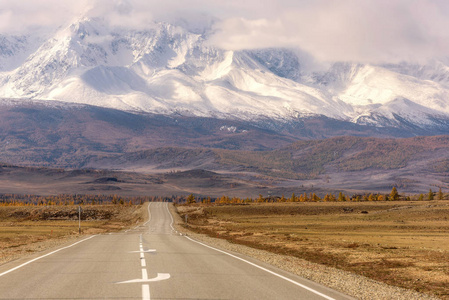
(29,229)
(404,244)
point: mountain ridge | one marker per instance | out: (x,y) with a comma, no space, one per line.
(61,134)
(74,136)
(170,70)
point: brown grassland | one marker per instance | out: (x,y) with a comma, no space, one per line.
(27,229)
(405,243)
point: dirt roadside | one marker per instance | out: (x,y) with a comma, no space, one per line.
(25,231)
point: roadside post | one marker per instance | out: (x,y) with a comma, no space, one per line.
(79,219)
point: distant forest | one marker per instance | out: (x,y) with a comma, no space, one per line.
(85,199)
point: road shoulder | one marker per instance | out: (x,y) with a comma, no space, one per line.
(345,282)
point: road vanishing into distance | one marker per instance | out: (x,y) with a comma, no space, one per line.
(152,261)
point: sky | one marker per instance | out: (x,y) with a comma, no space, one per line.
(366,31)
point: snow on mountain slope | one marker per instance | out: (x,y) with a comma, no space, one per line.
(374,90)
(435,70)
(168,69)
(15,49)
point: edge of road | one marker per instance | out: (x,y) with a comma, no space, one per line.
(54,245)
(45,255)
(350,284)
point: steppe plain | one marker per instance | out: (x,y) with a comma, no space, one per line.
(405,244)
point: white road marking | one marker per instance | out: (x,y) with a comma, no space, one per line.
(33,260)
(159,277)
(143,251)
(144,274)
(254,265)
(146,292)
(264,269)
(171,224)
(145,287)
(149,218)
(149,214)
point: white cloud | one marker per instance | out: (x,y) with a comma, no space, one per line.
(29,15)
(348,30)
(351,30)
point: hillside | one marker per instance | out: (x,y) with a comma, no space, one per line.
(352,164)
(56,134)
(413,164)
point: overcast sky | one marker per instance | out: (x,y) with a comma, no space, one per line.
(375,31)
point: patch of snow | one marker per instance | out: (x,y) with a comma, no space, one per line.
(232,129)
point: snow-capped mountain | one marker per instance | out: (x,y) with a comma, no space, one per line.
(15,49)
(170,69)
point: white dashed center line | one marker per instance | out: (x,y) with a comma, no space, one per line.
(145,280)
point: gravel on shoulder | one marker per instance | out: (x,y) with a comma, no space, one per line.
(353,285)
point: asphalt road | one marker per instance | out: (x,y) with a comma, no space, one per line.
(150,262)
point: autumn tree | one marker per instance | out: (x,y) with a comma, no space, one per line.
(430,196)
(190,199)
(293,198)
(394,195)
(306,199)
(236,200)
(440,194)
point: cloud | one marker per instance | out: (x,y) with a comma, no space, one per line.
(28,16)
(351,30)
(348,30)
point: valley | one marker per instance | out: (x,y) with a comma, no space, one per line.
(284,166)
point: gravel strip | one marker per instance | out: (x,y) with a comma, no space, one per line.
(10,254)
(348,283)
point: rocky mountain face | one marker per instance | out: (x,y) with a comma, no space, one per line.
(173,70)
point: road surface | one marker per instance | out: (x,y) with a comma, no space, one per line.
(151,261)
